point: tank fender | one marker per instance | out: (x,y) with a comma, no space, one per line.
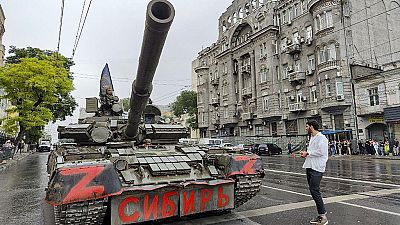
(81,183)
(237,164)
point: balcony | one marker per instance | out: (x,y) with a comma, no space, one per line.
(247,116)
(246,69)
(215,121)
(329,65)
(246,92)
(296,107)
(203,124)
(201,68)
(293,49)
(214,81)
(215,101)
(333,104)
(370,110)
(297,76)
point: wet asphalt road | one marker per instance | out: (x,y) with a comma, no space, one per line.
(357,190)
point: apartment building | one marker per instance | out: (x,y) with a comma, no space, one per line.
(277,64)
(2,30)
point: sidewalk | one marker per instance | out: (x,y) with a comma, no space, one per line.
(389,157)
(17,157)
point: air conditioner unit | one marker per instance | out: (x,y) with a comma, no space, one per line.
(338,74)
(312,83)
(290,69)
(310,72)
(302,39)
(304,98)
(292,97)
(314,112)
(326,77)
(340,97)
(286,90)
(284,117)
(289,41)
(289,22)
(309,41)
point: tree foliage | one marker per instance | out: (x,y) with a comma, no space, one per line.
(38,83)
(186,103)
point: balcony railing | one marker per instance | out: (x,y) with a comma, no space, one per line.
(246,92)
(329,65)
(295,107)
(215,121)
(247,116)
(297,76)
(214,81)
(246,69)
(215,101)
(293,49)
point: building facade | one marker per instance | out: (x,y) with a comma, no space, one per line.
(277,64)
(2,30)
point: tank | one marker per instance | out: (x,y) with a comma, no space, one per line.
(127,168)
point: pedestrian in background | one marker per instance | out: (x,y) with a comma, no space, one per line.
(20,147)
(339,148)
(289,146)
(7,149)
(315,163)
(396,147)
(386,148)
(376,147)
(333,148)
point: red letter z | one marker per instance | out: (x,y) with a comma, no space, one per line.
(80,191)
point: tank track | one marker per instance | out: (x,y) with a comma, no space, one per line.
(82,213)
(246,187)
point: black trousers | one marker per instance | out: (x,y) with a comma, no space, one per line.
(314,180)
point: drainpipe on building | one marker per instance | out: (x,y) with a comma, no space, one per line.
(353,99)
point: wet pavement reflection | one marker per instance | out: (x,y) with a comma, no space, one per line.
(22,191)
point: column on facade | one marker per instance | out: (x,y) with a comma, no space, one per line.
(240,61)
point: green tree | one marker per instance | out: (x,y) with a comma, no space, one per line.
(37,87)
(186,103)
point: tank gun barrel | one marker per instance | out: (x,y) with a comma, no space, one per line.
(159,17)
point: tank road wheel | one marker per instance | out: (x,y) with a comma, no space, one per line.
(82,213)
(246,187)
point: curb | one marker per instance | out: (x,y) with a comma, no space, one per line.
(367,157)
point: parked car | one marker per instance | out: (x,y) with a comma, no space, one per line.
(248,147)
(227,146)
(44,146)
(268,149)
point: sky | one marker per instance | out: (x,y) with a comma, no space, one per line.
(113,34)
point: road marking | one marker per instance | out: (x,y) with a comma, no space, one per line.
(291,206)
(372,209)
(365,195)
(278,189)
(337,178)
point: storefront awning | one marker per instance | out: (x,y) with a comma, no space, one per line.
(334,131)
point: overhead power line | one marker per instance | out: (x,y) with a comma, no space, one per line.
(61,22)
(81,29)
(80,23)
